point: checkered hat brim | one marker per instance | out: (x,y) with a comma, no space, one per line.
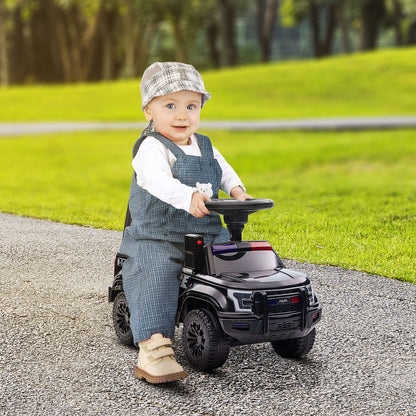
(162,78)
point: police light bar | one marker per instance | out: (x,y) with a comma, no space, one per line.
(235,247)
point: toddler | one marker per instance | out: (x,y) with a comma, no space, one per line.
(175,171)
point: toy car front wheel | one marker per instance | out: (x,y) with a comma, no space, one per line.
(121,319)
(205,343)
(296,347)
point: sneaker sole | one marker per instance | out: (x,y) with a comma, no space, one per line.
(141,374)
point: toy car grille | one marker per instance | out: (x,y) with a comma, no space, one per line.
(262,301)
(291,307)
(280,326)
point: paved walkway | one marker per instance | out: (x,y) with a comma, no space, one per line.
(59,354)
(339,123)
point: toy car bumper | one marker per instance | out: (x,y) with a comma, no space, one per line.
(248,328)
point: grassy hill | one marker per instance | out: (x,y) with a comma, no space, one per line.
(347,199)
(375,83)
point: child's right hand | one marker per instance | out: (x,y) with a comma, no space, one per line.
(198,208)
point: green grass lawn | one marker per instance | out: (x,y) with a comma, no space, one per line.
(375,83)
(347,199)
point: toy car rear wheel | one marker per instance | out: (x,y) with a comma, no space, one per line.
(296,347)
(121,319)
(205,344)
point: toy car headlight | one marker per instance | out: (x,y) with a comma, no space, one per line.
(241,299)
(311,294)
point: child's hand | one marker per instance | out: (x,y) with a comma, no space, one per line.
(198,208)
(238,193)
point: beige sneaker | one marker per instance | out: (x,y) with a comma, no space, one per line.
(156,362)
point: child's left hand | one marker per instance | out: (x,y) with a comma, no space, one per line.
(238,193)
(198,208)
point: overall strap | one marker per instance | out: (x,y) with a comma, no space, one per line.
(176,150)
(205,145)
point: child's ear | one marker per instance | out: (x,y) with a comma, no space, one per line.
(148,113)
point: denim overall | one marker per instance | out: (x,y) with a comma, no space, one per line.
(154,242)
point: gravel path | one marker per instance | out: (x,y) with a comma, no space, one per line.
(59,355)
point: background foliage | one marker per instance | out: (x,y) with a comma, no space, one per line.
(58,41)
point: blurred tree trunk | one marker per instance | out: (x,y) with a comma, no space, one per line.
(90,51)
(411,35)
(397,21)
(75,26)
(144,42)
(56,19)
(68,29)
(140,23)
(226,15)
(47,65)
(404,21)
(266,17)
(181,47)
(100,46)
(212,39)
(372,14)
(19,56)
(175,12)
(344,25)
(322,37)
(129,39)
(107,24)
(93,53)
(4,62)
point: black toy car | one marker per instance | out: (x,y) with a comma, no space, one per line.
(232,294)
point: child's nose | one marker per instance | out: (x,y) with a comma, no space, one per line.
(181,115)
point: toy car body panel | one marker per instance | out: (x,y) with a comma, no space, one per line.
(258,306)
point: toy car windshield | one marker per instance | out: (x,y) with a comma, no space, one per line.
(243,257)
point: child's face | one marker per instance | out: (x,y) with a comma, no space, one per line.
(176,115)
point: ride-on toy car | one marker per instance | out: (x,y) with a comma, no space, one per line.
(234,293)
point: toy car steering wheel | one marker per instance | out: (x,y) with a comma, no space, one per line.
(224,206)
(236,212)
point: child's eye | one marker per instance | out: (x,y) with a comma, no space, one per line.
(191,107)
(171,106)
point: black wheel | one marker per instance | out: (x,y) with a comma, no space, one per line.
(296,347)
(205,343)
(121,319)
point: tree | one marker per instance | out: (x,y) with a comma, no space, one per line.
(85,40)
(47,39)
(4,62)
(184,21)
(402,14)
(409,7)
(226,26)
(344,23)
(323,23)
(140,22)
(372,14)
(266,17)
(322,16)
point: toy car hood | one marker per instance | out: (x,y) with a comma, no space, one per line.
(266,279)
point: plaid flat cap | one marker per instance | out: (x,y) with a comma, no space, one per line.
(162,78)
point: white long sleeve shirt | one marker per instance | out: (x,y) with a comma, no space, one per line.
(153,166)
